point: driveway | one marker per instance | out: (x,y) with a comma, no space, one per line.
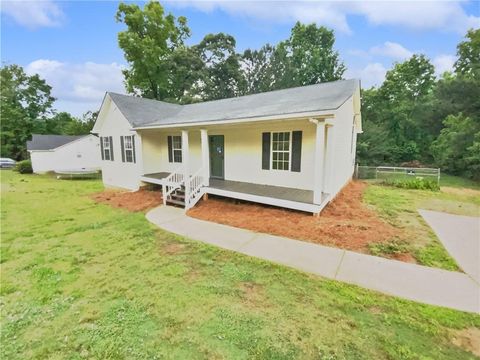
(461,237)
(410,281)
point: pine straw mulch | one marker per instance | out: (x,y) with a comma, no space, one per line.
(135,201)
(345,223)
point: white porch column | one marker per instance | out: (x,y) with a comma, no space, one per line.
(205,157)
(319,161)
(185,161)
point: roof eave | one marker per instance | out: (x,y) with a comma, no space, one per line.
(323,114)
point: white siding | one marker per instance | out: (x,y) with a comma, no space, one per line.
(78,154)
(340,154)
(117,173)
(243,153)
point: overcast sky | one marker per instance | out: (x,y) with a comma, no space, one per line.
(73,44)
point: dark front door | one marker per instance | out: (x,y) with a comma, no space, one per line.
(217,155)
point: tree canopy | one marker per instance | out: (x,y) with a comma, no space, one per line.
(27,108)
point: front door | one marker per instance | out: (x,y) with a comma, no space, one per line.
(217,155)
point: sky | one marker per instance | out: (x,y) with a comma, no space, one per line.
(73,44)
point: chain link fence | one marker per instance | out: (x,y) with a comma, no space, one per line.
(396,172)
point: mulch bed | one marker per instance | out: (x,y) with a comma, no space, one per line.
(345,223)
(140,200)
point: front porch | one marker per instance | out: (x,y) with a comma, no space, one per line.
(291,198)
(283,164)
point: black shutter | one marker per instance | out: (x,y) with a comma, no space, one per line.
(122,145)
(111,148)
(101,148)
(266,151)
(170,155)
(296,150)
(133,149)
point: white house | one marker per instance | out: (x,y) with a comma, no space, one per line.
(62,152)
(293,148)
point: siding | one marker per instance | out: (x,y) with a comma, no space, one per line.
(117,173)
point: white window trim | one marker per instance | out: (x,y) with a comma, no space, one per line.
(176,149)
(282,151)
(125,149)
(109,148)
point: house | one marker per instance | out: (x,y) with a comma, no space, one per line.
(62,152)
(293,148)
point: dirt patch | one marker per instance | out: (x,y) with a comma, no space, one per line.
(405,257)
(140,200)
(345,223)
(468,339)
(252,293)
(173,248)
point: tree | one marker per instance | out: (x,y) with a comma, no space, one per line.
(257,71)
(401,102)
(151,43)
(468,52)
(222,77)
(456,149)
(306,58)
(25,104)
(312,55)
(81,126)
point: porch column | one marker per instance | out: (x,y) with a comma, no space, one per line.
(205,157)
(319,161)
(185,161)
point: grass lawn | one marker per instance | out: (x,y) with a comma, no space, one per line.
(400,207)
(83,280)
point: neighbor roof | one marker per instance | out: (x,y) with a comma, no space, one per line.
(142,112)
(50,142)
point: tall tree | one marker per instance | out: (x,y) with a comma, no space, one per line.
(26,102)
(403,95)
(222,76)
(468,51)
(314,59)
(149,42)
(307,57)
(256,68)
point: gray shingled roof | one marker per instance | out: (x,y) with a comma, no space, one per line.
(326,96)
(49,142)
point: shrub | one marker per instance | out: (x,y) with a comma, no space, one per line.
(24,167)
(418,182)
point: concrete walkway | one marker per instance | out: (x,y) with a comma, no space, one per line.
(414,282)
(461,237)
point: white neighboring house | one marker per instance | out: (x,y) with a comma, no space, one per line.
(293,148)
(62,152)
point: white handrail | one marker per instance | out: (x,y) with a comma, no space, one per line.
(193,187)
(171,183)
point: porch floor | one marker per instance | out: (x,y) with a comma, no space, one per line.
(267,194)
(277,192)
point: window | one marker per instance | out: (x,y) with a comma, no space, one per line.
(280,150)
(175,149)
(128,149)
(107,149)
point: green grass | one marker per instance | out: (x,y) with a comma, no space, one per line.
(400,207)
(83,280)
(456,181)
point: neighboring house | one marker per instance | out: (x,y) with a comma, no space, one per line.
(293,148)
(62,152)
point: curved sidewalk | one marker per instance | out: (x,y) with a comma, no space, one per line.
(414,282)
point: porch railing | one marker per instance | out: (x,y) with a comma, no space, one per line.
(194,189)
(172,182)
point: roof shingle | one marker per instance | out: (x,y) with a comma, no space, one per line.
(142,112)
